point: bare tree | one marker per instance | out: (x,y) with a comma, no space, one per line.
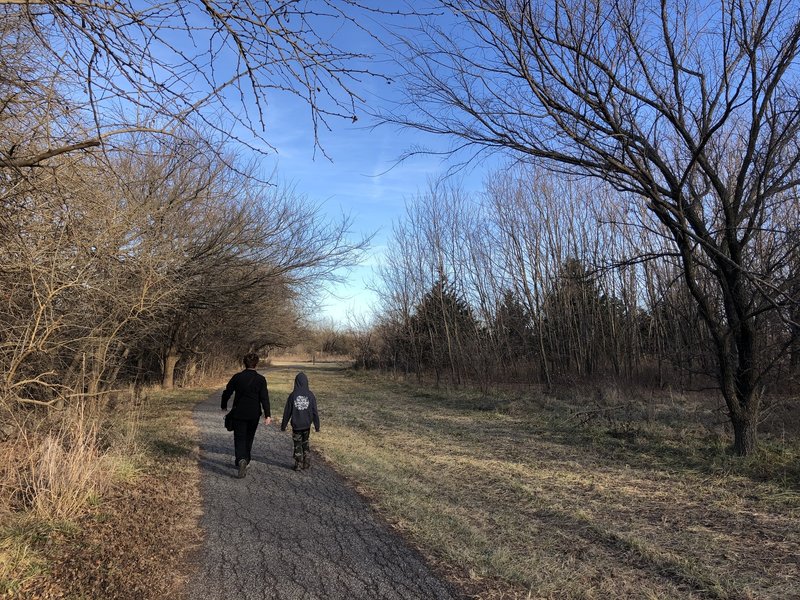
(226,246)
(160,253)
(690,108)
(169,250)
(70,290)
(428,290)
(158,67)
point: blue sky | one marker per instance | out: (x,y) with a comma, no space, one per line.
(360,176)
(363,177)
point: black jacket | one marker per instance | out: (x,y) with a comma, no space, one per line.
(301,406)
(251,395)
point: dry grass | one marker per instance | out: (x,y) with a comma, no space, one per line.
(92,506)
(521,496)
(515,495)
(65,470)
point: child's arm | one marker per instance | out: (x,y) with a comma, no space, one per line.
(314,413)
(287,413)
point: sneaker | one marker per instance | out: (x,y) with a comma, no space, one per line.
(242,468)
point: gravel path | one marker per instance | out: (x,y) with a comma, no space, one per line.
(278,533)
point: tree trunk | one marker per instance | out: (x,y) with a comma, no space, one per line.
(745,435)
(744,403)
(95,371)
(168,380)
(794,349)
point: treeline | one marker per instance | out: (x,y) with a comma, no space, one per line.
(149,260)
(545,279)
(148,267)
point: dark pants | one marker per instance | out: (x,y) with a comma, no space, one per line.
(300,440)
(244,432)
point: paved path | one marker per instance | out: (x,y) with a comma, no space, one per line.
(278,533)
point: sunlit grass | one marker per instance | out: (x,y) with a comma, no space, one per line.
(20,561)
(513,496)
(57,489)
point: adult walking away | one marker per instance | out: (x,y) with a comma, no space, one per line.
(301,408)
(250,399)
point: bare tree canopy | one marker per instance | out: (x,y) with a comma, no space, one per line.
(155,66)
(168,258)
(160,250)
(691,108)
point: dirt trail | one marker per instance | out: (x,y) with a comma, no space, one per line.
(278,533)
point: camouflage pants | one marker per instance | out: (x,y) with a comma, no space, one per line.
(300,440)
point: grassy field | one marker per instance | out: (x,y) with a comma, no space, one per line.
(532,495)
(102,505)
(520,494)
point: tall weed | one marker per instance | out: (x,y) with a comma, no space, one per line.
(64,467)
(58,466)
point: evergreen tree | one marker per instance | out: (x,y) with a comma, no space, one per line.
(442,328)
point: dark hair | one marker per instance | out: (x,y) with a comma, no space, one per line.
(251,360)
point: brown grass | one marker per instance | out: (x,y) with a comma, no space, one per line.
(101,503)
(521,496)
(66,469)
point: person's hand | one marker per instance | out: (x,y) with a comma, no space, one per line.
(267,420)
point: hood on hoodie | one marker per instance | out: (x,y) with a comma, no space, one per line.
(301,383)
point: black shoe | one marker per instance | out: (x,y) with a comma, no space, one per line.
(242,468)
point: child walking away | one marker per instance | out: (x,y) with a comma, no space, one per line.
(301,408)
